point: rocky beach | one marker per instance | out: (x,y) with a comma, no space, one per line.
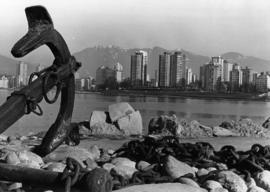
(174,155)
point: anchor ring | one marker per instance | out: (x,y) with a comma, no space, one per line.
(45,90)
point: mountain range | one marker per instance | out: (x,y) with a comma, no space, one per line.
(94,57)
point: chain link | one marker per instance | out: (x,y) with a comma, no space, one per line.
(71,173)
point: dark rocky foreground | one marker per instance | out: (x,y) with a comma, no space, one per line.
(112,154)
(149,162)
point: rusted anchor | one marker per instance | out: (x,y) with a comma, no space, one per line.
(61,74)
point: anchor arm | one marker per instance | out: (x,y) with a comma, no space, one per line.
(41,32)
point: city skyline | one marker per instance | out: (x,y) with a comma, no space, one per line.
(207,27)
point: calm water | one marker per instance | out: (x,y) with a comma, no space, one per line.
(209,112)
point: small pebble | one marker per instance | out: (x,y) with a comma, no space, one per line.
(211,185)
(12,158)
(141,165)
(108,166)
(111,151)
(90,164)
(211,169)
(202,172)
(95,152)
(188,181)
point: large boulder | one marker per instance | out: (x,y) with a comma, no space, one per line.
(119,110)
(176,168)
(166,125)
(100,124)
(121,120)
(223,132)
(231,181)
(246,127)
(197,130)
(170,187)
(131,124)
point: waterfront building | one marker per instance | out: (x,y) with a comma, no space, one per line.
(188,75)
(22,74)
(156,78)
(138,69)
(254,77)
(88,83)
(202,77)
(227,68)
(78,84)
(164,69)
(218,63)
(147,78)
(263,82)
(177,69)
(236,77)
(212,75)
(103,73)
(4,82)
(194,78)
(247,76)
(118,68)
(12,81)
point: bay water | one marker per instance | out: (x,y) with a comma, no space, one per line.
(207,111)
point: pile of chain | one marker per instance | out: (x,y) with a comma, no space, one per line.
(199,155)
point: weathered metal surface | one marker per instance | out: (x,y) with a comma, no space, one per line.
(61,74)
(31,176)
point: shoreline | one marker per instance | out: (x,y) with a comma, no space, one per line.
(180,94)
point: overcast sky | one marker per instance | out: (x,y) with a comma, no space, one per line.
(209,27)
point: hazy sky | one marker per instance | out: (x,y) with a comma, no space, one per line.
(209,27)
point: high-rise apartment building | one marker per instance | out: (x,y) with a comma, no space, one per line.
(118,68)
(22,74)
(218,62)
(227,68)
(213,74)
(247,76)
(188,75)
(138,69)
(194,77)
(236,77)
(177,69)
(263,82)
(202,77)
(4,82)
(164,69)
(254,77)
